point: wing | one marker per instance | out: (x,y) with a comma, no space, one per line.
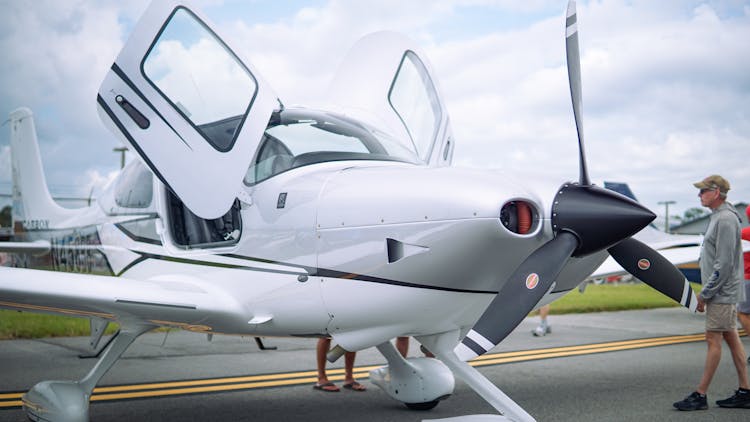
(683,253)
(178,301)
(681,257)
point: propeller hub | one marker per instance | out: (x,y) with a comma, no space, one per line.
(598,217)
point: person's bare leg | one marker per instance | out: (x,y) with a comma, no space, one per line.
(738,357)
(544,312)
(320,360)
(713,356)
(745,322)
(543,327)
(402,345)
(349,381)
(349,366)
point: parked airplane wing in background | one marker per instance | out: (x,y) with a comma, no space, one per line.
(681,250)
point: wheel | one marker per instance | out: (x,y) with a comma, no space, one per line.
(422,406)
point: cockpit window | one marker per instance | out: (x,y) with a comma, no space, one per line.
(296,138)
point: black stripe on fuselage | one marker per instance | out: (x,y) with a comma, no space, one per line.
(303,270)
(322,272)
(132,264)
(215,264)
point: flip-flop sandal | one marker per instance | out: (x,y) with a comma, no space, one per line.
(355,386)
(328,387)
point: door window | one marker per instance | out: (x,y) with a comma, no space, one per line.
(201,77)
(414,98)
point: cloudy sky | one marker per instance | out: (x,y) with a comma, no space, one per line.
(666,85)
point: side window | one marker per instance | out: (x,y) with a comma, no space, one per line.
(201,77)
(190,231)
(414,99)
(134,187)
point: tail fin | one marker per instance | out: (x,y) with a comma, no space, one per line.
(621,188)
(33,206)
(650,232)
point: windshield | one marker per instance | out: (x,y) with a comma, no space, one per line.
(298,137)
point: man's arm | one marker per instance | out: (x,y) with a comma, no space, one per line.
(725,242)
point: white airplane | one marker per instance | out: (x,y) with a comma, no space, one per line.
(264,220)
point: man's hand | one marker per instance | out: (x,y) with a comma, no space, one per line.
(701,304)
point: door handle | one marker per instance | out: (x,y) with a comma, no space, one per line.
(133,112)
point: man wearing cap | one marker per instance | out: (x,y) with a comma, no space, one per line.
(721,275)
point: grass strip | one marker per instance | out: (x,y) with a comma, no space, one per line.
(613,297)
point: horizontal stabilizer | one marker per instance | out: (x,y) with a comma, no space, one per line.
(37,247)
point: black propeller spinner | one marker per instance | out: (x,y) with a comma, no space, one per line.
(585,219)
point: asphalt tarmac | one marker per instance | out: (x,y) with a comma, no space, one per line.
(614,366)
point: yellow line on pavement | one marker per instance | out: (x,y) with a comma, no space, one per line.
(496,360)
(14,403)
(123,392)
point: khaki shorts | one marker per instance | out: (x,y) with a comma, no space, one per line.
(721,317)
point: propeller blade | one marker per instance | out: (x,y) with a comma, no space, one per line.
(525,287)
(574,80)
(585,219)
(653,269)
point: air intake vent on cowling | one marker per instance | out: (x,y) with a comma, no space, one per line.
(398,250)
(519,217)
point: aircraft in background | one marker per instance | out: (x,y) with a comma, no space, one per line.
(268,220)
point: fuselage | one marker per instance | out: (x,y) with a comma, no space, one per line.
(321,248)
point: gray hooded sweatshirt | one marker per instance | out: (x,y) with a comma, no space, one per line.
(721,257)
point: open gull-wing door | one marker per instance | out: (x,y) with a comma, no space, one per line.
(191,106)
(386,77)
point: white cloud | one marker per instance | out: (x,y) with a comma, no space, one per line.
(665,98)
(55,55)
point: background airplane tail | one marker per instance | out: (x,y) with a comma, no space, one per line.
(650,232)
(33,206)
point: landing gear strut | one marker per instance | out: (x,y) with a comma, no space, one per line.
(442,346)
(68,401)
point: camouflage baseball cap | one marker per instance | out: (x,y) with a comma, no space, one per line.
(712,182)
